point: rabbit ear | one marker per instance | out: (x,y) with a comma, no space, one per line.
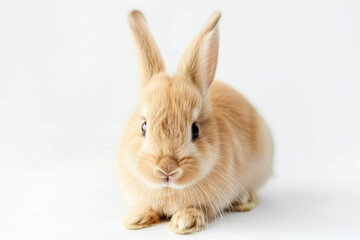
(200,58)
(150,59)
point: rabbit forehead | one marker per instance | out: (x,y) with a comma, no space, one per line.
(171,97)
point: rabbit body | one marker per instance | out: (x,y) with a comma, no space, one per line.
(194,147)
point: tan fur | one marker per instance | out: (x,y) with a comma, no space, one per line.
(231,158)
(141,218)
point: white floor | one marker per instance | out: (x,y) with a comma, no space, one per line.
(87,204)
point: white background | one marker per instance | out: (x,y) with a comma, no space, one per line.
(68,80)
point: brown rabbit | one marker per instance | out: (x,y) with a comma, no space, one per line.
(193,147)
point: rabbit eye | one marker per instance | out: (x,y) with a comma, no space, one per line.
(143,128)
(195,131)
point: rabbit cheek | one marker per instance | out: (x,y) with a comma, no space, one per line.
(190,175)
(145,171)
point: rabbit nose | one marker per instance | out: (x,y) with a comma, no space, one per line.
(166,175)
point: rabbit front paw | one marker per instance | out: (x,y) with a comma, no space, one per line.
(187,221)
(141,219)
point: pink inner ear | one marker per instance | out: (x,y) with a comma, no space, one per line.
(207,59)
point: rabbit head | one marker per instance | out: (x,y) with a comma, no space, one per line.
(176,140)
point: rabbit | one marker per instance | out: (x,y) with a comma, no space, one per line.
(194,147)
